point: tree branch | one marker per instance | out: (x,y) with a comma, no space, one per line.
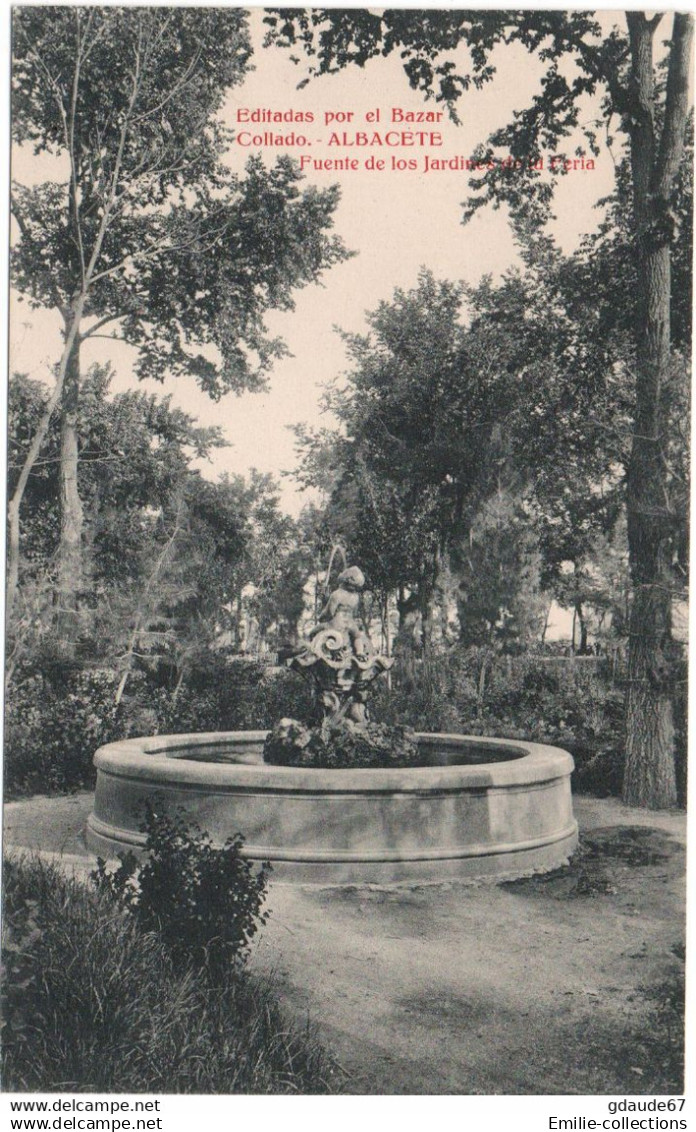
(90,333)
(70,132)
(162,248)
(178,86)
(25,233)
(676,104)
(125,125)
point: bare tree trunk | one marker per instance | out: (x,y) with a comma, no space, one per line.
(650,776)
(141,611)
(14,506)
(70,554)
(582,649)
(179,682)
(650,772)
(545,626)
(404,642)
(239,636)
(386,628)
(427,609)
(482,686)
(402,606)
(386,631)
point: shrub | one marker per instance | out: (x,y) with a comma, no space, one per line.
(237,695)
(203,903)
(422,696)
(213,696)
(340,746)
(474,691)
(54,726)
(94,1004)
(56,720)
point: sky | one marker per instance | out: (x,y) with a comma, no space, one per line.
(394,220)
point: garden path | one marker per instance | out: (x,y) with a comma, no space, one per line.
(539,986)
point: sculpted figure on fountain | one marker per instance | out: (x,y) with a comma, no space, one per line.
(339,655)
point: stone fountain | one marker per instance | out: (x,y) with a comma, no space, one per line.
(472,809)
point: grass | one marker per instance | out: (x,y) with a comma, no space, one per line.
(665,1038)
(91,1003)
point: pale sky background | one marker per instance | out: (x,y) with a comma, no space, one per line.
(395,221)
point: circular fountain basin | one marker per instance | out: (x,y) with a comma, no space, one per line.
(478,808)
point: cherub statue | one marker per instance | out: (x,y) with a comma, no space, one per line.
(339,653)
(341,612)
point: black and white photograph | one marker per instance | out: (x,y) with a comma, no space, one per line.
(346,624)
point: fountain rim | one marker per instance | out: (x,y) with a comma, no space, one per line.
(156,758)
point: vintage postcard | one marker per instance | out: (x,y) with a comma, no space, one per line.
(347,562)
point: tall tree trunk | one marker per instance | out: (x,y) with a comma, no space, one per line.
(244,639)
(427,612)
(14,506)
(404,642)
(428,599)
(70,552)
(650,772)
(386,635)
(582,648)
(402,606)
(386,627)
(650,778)
(544,628)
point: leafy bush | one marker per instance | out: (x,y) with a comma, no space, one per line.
(422,695)
(56,720)
(203,903)
(233,695)
(340,746)
(54,726)
(93,1004)
(474,691)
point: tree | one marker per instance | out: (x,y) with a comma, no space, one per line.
(239,577)
(171,559)
(135,451)
(135,478)
(195,568)
(652,116)
(568,428)
(421,444)
(144,233)
(498,568)
(277,565)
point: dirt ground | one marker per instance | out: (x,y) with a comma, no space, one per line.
(549,985)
